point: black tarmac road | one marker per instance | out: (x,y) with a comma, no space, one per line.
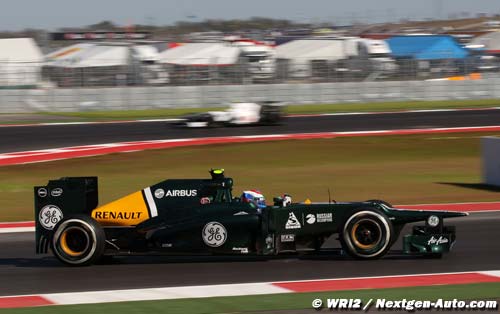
(23,272)
(40,137)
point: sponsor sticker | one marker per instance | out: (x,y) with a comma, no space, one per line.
(56,192)
(126,215)
(42,192)
(181,193)
(324,217)
(440,240)
(310,219)
(204,200)
(49,216)
(240,213)
(159,193)
(292,222)
(214,234)
(242,250)
(287,238)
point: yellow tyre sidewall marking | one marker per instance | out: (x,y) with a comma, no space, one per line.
(65,247)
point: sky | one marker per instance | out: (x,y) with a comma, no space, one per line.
(53,14)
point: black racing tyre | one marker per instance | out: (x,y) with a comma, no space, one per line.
(367,234)
(78,240)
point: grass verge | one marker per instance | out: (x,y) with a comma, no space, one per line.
(293,109)
(282,303)
(412,169)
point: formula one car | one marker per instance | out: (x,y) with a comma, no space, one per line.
(201,217)
(263,113)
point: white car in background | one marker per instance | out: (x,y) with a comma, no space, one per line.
(262,113)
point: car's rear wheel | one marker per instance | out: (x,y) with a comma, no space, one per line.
(367,234)
(78,240)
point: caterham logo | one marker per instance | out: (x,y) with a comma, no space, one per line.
(311,219)
(49,216)
(181,193)
(214,234)
(292,222)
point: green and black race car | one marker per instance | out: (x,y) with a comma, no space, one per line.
(201,217)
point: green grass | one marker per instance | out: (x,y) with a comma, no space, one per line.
(273,303)
(400,169)
(292,109)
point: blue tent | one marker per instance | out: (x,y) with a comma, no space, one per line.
(426,47)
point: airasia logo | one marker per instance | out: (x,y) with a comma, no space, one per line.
(181,193)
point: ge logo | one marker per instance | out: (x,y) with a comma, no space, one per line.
(49,216)
(214,234)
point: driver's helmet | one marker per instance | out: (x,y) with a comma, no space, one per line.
(255,197)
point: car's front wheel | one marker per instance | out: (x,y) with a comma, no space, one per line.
(78,240)
(367,234)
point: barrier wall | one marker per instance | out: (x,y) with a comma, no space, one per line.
(151,97)
(491,160)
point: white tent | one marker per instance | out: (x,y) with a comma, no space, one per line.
(88,55)
(102,64)
(322,49)
(202,54)
(67,53)
(145,53)
(299,53)
(104,56)
(20,62)
(100,55)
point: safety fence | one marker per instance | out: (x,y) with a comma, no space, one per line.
(154,97)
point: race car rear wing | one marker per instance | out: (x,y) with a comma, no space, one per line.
(59,198)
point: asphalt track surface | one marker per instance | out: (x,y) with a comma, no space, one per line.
(14,139)
(23,272)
